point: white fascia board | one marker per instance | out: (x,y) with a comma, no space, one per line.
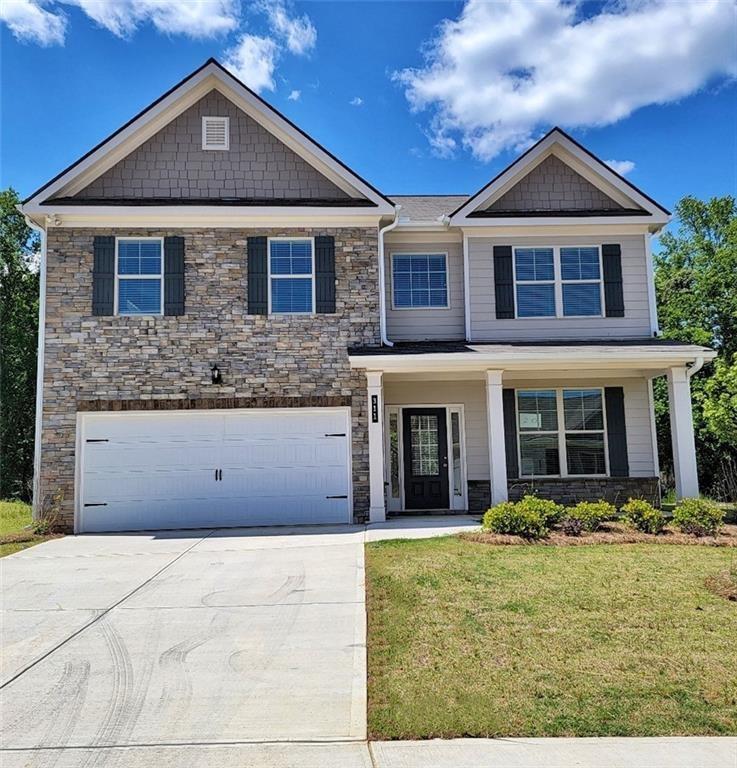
(570,227)
(597,171)
(560,221)
(541,358)
(203,216)
(162,113)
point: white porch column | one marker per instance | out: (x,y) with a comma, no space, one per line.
(495,421)
(681,427)
(377,508)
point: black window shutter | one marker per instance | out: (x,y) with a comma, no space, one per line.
(174,275)
(616,432)
(611,256)
(325,274)
(258,288)
(103,276)
(510,432)
(503,282)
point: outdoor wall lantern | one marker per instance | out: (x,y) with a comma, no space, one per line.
(215,374)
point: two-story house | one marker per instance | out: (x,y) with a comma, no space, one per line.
(237,329)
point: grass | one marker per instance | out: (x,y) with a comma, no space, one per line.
(470,639)
(16,528)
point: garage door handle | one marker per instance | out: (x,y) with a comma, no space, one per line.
(101,504)
(335,434)
(97,440)
(218,474)
(336,497)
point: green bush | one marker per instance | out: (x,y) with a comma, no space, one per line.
(643,516)
(550,512)
(590,514)
(516,520)
(699,517)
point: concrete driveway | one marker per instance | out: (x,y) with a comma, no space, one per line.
(116,644)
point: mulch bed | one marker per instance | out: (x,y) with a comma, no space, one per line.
(612,533)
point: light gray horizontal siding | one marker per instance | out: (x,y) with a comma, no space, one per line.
(486,327)
(472,395)
(422,324)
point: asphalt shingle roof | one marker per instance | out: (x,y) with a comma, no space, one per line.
(427,207)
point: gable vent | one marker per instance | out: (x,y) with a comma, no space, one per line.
(215,133)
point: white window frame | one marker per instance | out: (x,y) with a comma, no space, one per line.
(160,276)
(444,254)
(557,282)
(561,431)
(311,275)
(226,122)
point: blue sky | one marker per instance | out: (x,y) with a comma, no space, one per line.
(416,97)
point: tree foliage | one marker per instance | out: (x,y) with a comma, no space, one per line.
(19,247)
(696,287)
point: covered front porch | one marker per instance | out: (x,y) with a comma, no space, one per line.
(458,427)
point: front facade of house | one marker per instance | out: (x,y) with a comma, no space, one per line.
(239,330)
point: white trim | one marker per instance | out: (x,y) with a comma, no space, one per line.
(592,169)
(682,433)
(444,254)
(80,442)
(211,119)
(653,427)
(497,444)
(160,277)
(449,408)
(196,86)
(558,282)
(377,496)
(466,289)
(561,432)
(311,276)
(651,299)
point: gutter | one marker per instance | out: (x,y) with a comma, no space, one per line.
(695,368)
(37,502)
(382,278)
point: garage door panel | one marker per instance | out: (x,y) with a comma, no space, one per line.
(149,471)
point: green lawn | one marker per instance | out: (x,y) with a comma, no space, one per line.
(468,639)
(15,531)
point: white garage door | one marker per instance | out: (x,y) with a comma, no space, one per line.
(145,470)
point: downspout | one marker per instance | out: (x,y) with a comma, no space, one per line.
(39,368)
(695,368)
(382,278)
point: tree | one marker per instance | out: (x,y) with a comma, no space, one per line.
(19,247)
(697,302)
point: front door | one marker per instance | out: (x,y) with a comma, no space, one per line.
(425,458)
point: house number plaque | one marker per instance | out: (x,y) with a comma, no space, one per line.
(375,409)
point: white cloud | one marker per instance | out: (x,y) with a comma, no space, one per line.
(253,60)
(501,72)
(29,22)
(622,167)
(294,95)
(297,32)
(194,18)
(356,101)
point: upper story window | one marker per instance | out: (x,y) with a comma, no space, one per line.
(558,282)
(291,276)
(419,280)
(561,432)
(139,276)
(215,133)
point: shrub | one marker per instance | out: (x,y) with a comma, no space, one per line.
(550,512)
(515,520)
(699,517)
(643,516)
(590,513)
(571,526)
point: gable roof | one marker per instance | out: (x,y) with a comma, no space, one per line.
(632,202)
(172,103)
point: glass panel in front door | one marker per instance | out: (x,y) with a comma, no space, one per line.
(425,459)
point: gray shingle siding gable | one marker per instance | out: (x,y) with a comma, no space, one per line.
(172,163)
(553,186)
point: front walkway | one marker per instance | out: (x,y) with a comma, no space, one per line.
(230,648)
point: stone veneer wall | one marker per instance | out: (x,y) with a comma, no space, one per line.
(120,363)
(571,490)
